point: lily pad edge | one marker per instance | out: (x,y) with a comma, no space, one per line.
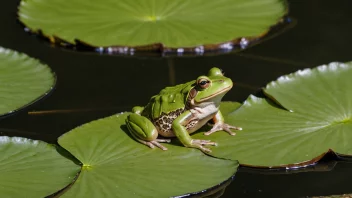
(80,45)
(39,98)
(276,104)
(21,140)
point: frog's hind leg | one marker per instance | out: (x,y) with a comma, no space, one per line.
(144,131)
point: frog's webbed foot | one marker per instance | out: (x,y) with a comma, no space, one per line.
(200,144)
(223,127)
(155,142)
(143,130)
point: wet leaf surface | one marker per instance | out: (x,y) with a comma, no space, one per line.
(114,165)
(31,168)
(23,80)
(320,119)
(169,24)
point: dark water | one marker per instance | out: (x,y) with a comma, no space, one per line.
(92,86)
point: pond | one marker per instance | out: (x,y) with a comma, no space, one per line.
(92,86)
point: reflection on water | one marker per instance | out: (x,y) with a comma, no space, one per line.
(215,192)
(92,86)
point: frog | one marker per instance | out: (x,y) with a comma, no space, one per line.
(181,110)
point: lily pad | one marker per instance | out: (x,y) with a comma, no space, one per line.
(23,80)
(146,24)
(31,168)
(115,165)
(320,119)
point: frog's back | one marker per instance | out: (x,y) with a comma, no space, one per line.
(169,100)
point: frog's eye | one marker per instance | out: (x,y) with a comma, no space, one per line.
(203,83)
(215,72)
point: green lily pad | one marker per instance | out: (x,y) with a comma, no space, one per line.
(143,23)
(32,168)
(23,80)
(320,119)
(115,165)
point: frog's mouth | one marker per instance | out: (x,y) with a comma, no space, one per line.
(215,94)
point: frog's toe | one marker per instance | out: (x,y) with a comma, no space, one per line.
(199,144)
(228,127)
(229,131)
(223,127)
(204,142)
(163,140)
(234,127)
(156,143)
(151,145)
(204,149)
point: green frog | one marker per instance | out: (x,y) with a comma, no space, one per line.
(181,110)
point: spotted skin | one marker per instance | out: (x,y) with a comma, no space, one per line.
(191,124)
(164,122)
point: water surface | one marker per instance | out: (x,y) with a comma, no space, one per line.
(92,86)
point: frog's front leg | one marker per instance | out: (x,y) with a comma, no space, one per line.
(179,128)
(144,131)
(221,125)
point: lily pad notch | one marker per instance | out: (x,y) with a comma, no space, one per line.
(315,120)
(167,27)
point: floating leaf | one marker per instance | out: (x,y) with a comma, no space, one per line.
(23,80)
(115,165)
(321,100)
(31,168)
(146,24)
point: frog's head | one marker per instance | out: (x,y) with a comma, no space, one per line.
(211,88)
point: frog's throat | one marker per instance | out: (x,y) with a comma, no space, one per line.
(213,95)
